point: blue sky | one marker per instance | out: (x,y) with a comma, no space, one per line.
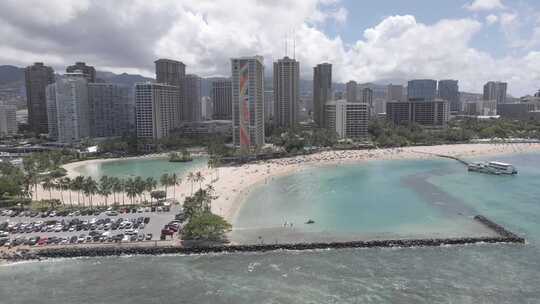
(365,14)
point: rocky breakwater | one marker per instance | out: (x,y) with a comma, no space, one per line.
(503,236)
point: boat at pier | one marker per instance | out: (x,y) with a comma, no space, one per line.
(493,167)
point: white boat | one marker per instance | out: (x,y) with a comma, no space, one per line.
(493,167)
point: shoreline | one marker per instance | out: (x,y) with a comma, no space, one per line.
(234,183)
(253,175)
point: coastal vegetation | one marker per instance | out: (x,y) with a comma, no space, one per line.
(202,224)
(182,157)
(386,134)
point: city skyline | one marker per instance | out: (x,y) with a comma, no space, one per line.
(491,40)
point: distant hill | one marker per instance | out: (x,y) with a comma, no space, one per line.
(124,79)
(10,74)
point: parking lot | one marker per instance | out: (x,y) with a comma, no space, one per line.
(87,227)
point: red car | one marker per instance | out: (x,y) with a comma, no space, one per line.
(167,232)
(42,241)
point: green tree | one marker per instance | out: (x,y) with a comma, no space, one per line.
(207,226)
(90,188)
(164,180)
(105,187)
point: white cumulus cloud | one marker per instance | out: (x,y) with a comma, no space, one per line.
(484,5)
(126,35)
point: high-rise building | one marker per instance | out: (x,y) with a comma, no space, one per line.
(247,101)
(348,119)
(207,108)
(449,91)
(37,77)
(432,113)
(170,72)
(495,90)
(52,117)
(367,96)
(352,88)
(88,71)
(71,110)
(268,99)
(8,120)
(156,108)
(286,92)
(111,111)
(191,98)
(394,93)
(322,91)
(421,90)
(222,99)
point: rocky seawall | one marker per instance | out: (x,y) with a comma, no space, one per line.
(504,236)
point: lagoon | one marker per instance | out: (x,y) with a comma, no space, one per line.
(143,167)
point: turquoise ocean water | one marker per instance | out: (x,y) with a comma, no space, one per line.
(417,197)
(145,167)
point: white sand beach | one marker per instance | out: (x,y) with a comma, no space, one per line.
(233,184)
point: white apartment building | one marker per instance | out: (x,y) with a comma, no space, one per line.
(348,119)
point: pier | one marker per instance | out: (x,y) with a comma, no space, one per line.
(503,236)
(464,162)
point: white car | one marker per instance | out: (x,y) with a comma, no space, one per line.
(131,232)
(125,238)
(58,228)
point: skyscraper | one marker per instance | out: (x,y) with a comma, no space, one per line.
(156,108)
(191,98)
(88,71)
(495,90)
(286,92)
(422,90)
(352,88)
(449,91)
(52,117)
(322,91)
(394,93)
(111,111)
(247,101)
(367,96)
(71,107)
(269,108)
(170,72)
(8,120)
(222,99)
(37,77)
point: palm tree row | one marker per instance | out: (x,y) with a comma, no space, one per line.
(88,187)
(135,189)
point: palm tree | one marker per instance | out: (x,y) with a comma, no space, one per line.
(77,185)
(105,187)
(65,184)
(174,181)
(199,178)
(149,185)
(191,178)
(48,185)
(58,187)
(165,180)
(90,188)
(116,187)
(140,186)
(130,189)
